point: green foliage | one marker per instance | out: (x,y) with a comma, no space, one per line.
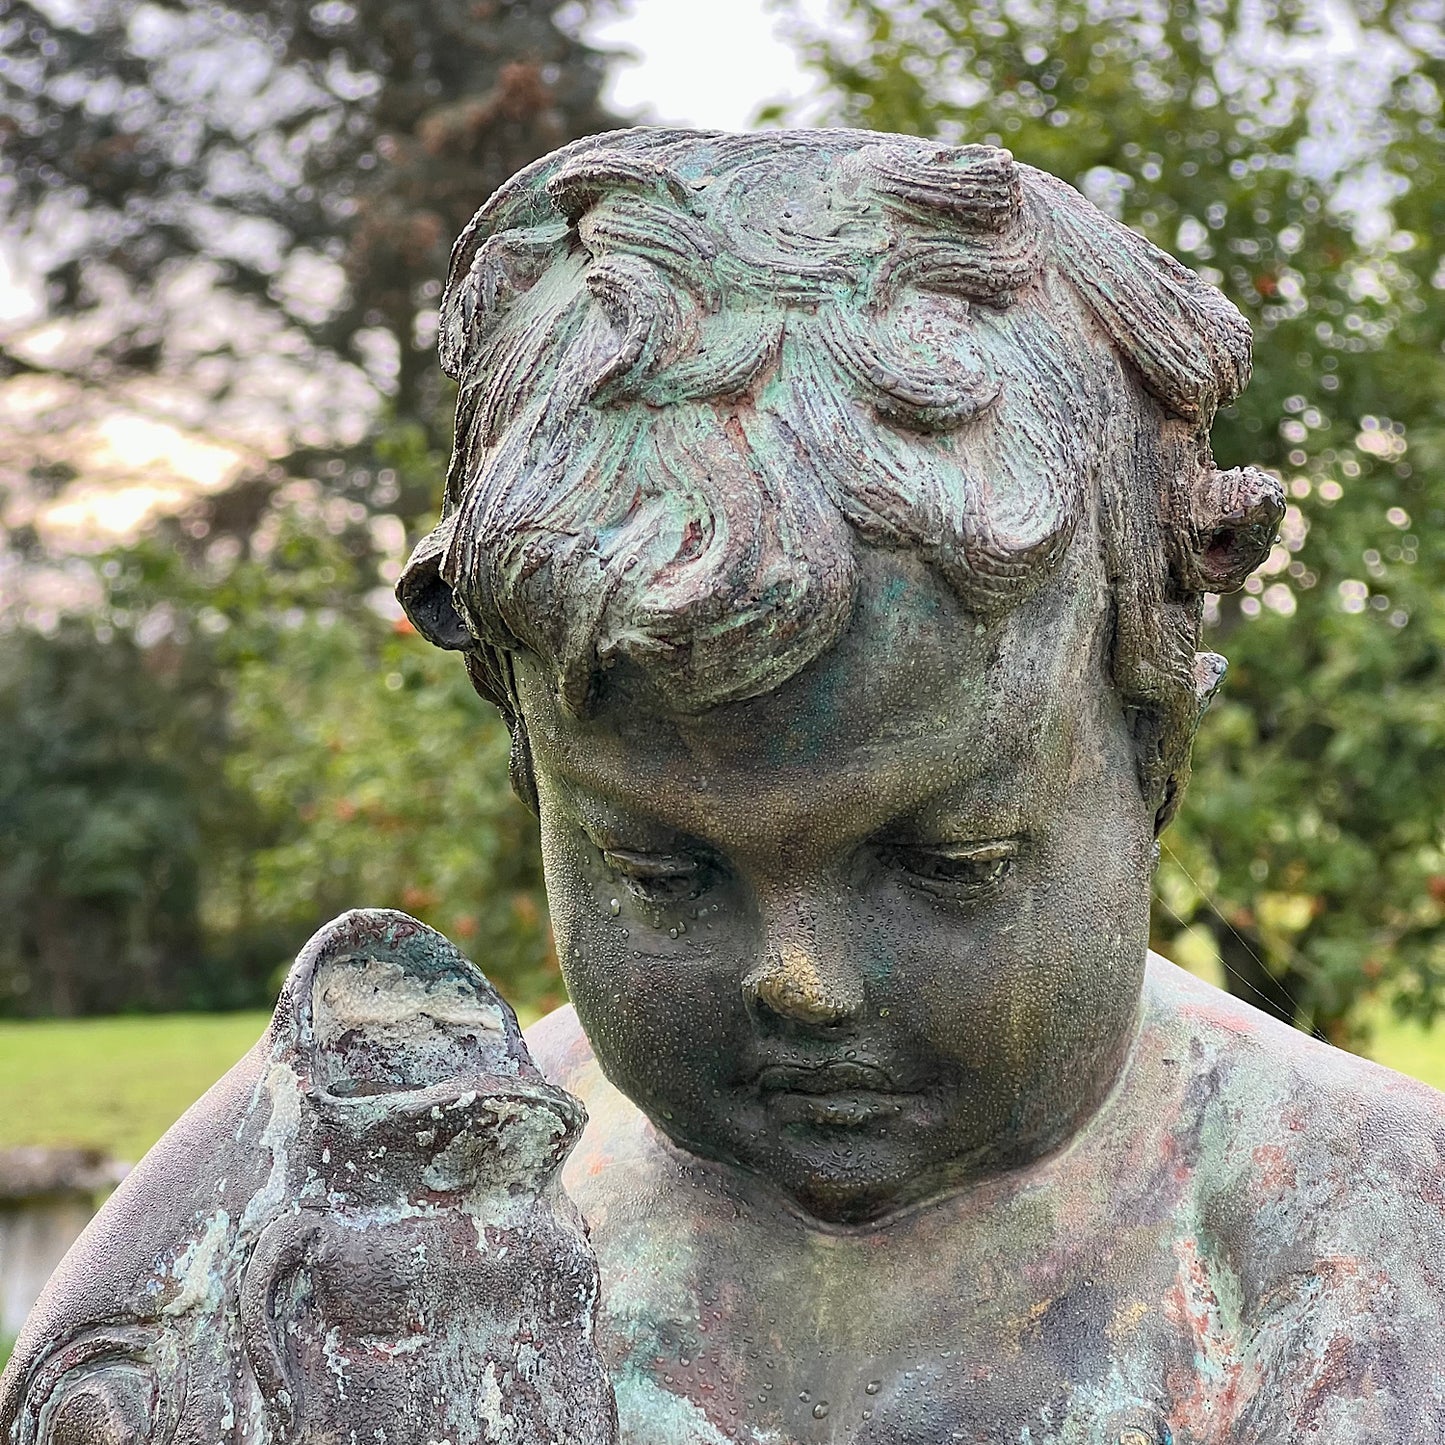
(383,780)
(375,775)
(239,215)
(103,803)
(238,743)
(1298,165)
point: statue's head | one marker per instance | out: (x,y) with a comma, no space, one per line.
(830,517)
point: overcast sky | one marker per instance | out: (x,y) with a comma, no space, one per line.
(709,65)
(694,63)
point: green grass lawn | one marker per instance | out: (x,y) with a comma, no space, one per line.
(115,1083)
(1411,1049)
(119,1083)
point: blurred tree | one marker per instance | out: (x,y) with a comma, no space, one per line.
(383,779)
(375,773)
(1291,151)
(102,795)
(236,215)
(235,195)
(232,746)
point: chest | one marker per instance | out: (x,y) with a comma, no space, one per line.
(1119,1341)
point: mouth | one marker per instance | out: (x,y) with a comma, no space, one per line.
(830,1077)
(843,1093)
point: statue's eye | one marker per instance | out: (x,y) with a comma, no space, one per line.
(955,870)
(659,878)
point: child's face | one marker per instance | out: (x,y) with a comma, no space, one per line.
(875,933)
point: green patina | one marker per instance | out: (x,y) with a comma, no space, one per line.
(831,517)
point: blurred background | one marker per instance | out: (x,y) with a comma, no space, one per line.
(223,225)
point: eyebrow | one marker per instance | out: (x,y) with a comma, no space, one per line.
(614,818)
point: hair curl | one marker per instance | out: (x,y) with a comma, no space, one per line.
(693,366)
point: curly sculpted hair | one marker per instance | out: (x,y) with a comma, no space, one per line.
(698,370)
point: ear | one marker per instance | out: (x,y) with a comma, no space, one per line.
(1234,517)
(490,670)
(427,599)
(521,767)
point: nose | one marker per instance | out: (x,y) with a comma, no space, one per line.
(806,975)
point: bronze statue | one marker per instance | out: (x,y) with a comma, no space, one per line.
(357,1235)
(830,517)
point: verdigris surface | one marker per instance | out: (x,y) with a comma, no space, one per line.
(831,517)
(358,1235)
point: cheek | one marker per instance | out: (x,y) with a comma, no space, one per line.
(1051,968)
(651,986)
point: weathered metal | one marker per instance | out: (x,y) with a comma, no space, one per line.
(831,517)
(357,1235)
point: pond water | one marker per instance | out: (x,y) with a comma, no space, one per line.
(34,1236)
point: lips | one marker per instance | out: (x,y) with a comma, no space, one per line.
(835,1076)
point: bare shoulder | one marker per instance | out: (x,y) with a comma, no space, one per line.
(1279,1084)
(1322,1175)
(560,1049)
(618,1150)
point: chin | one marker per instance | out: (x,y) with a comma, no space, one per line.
(857,1197)
(855,1177)
(847,1203)
(840,1177)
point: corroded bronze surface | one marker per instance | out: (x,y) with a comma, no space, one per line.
(357,1235)
(831,517)
(1242,1248)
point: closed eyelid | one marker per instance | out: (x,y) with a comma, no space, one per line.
(984,849)
(966,870)
(651,865)
(989,850)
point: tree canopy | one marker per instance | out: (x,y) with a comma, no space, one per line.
(256,201)
(1290,151)
(234,217)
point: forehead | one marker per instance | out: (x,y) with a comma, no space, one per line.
(919,702)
